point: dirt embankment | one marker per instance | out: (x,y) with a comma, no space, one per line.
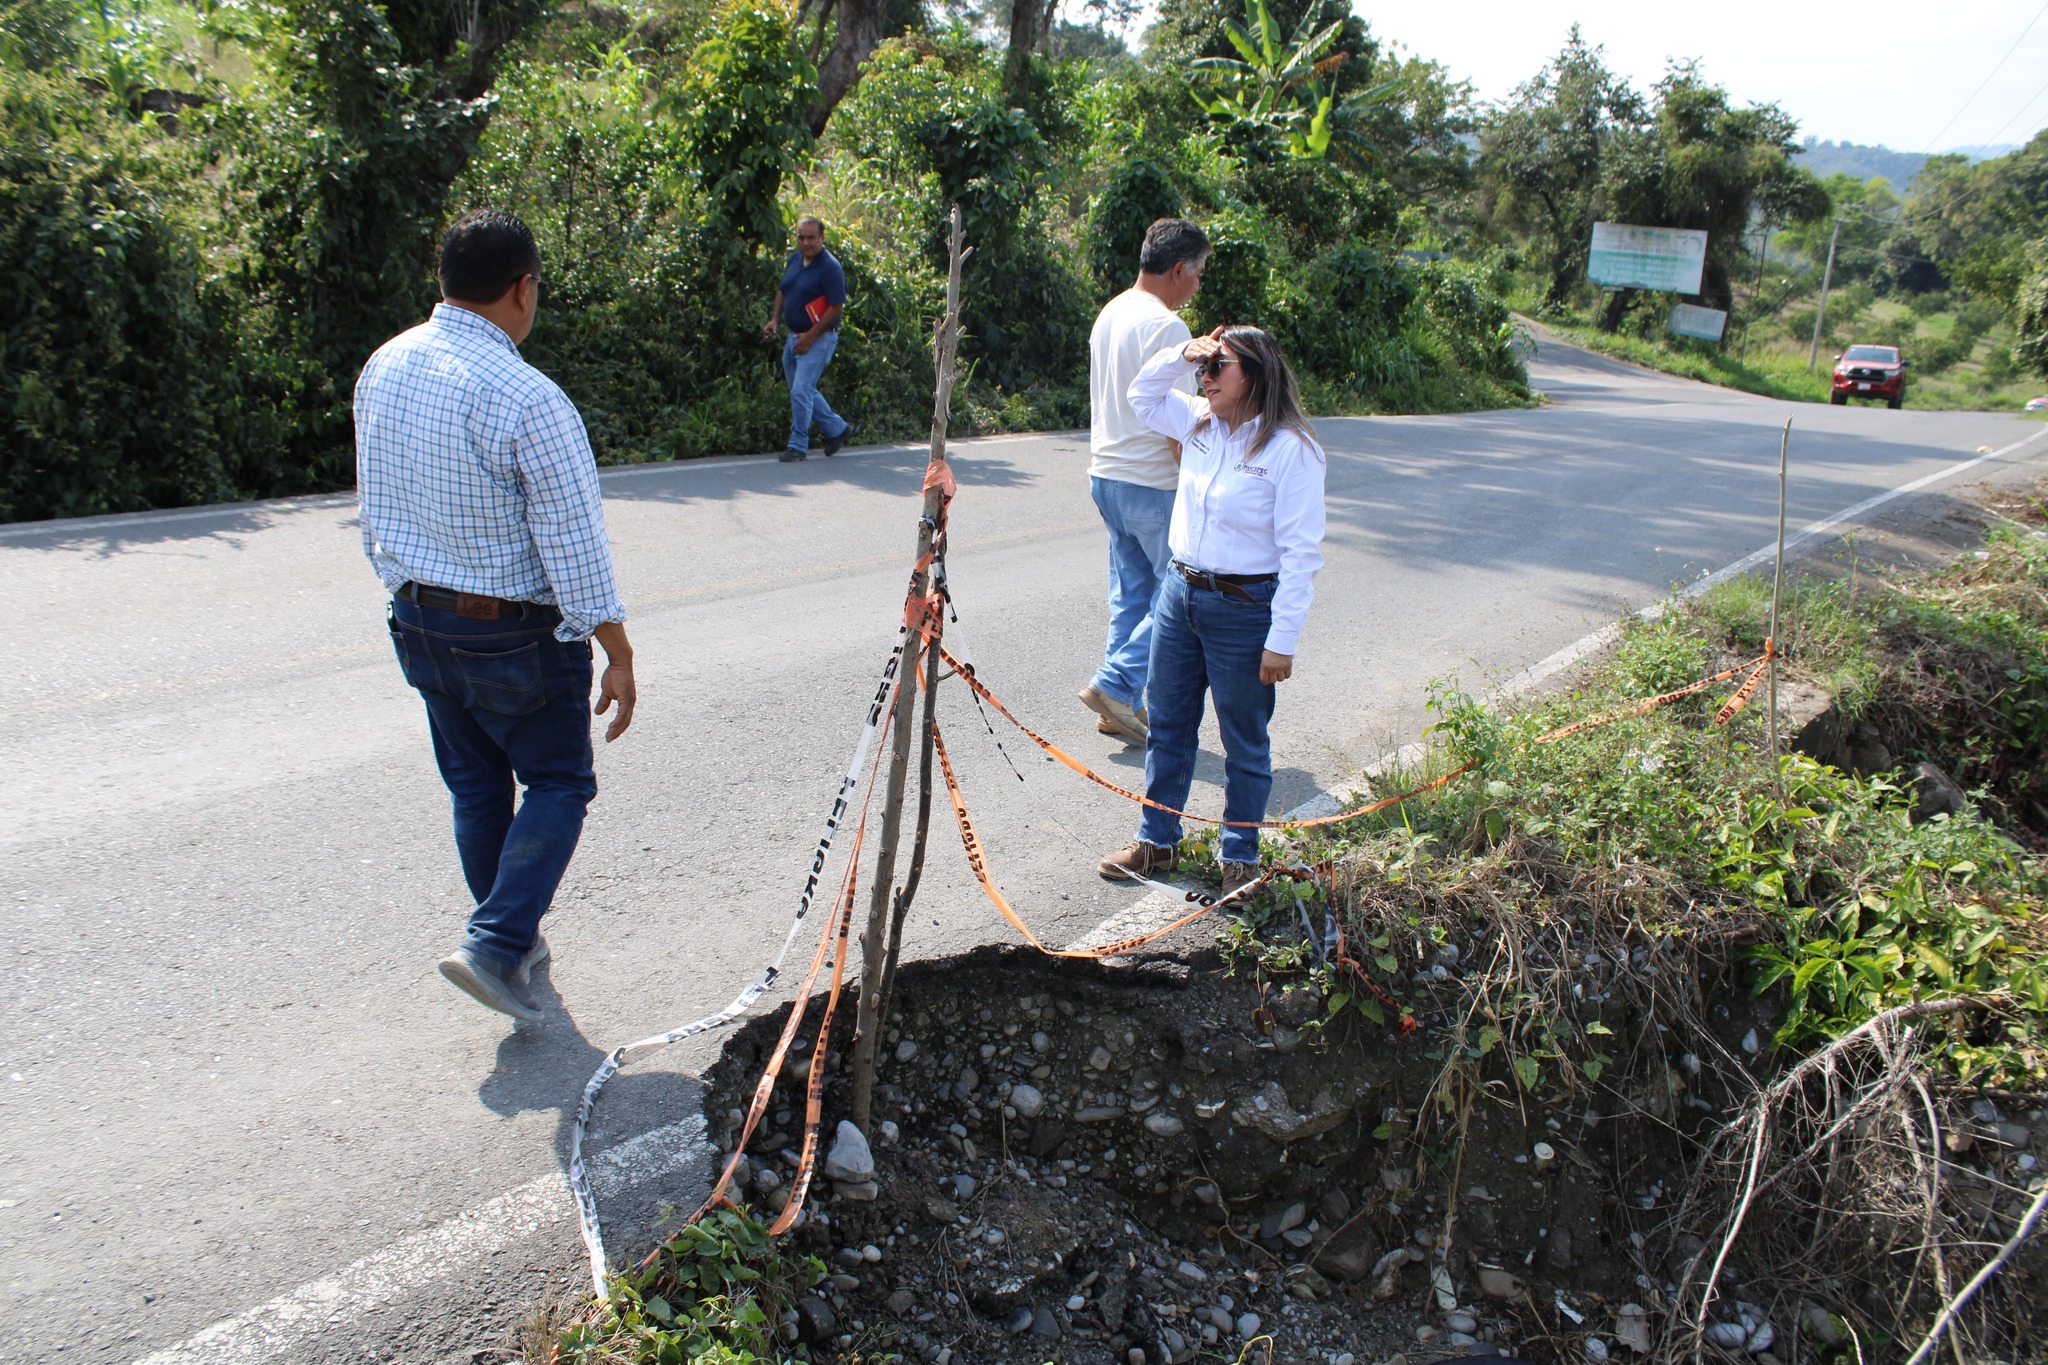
(1151,1161)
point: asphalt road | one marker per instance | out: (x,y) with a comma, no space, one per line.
(227,1065)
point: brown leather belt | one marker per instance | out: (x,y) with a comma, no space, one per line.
(473,605)
(1231,584)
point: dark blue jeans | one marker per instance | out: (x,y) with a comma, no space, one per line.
(506,701)
(1205,640)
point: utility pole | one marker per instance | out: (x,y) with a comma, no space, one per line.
(1820,319)
(874,955)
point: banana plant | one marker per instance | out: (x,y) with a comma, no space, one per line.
(1282,88)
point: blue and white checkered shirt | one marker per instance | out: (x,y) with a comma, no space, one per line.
(473,473)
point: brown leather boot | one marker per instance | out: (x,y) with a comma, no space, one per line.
(1136,859)
(1237,875)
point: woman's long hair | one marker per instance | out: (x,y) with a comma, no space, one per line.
(1272,393)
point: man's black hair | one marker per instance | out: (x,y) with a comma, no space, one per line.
(485,254)
(1169,242)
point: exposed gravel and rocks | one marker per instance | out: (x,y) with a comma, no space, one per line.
(1117,1164)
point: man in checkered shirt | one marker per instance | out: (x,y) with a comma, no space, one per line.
(480,513)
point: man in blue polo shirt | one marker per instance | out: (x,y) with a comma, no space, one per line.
(811,300)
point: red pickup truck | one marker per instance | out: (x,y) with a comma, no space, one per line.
(1870,372)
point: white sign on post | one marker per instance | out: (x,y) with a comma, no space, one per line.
(1691,320)
(1628,257)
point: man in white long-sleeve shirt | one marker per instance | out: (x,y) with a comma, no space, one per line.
(1134,469)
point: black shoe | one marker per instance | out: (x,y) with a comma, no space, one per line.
(792,455)
(835,444)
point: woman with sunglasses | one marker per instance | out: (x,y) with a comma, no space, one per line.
(1246,537)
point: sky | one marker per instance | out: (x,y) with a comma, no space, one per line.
(1889,72)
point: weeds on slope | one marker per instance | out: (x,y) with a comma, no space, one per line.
(717,1293)
(1596,917)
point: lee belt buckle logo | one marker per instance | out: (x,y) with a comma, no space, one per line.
(476,607)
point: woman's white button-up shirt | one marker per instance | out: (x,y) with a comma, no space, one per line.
(1232,516)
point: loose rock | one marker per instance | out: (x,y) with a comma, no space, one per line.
(815,1320)
(1496,1283)
(850,1160)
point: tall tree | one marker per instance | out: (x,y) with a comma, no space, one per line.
(1030,22)
(1702,164)
(374,110)
(1541,155)
(858,28)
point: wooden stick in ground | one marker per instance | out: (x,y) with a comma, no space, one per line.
(868,1025)
(1777,592)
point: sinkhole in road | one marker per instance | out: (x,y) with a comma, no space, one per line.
(1166,1157)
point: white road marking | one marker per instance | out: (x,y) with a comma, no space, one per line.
(1544,669)
(271,1330)
(266,1332)
(1156,909)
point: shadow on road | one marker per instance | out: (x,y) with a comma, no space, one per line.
(230,525)
(886,471)
(1291,786)
(543,1068)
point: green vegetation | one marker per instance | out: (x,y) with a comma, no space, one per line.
(715,1295)
(1954,272)
(212,216)
(1852,901)
(1577,144)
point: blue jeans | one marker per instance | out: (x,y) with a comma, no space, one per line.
(1207,640)
(807,407)
(1137,519)
(505,700)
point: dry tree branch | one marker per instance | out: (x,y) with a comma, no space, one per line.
(1757,1117)
(1983,1277)
(1933,1200)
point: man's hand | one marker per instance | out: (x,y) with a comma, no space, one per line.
(1274,668)
(616,684)
(768,327)
(803,343)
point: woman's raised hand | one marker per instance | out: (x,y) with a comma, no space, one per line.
(1200,349)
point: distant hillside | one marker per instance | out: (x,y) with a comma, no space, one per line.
(1852,158)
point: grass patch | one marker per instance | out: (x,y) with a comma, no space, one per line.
(1977,377)
(718,1293)
(1848,903)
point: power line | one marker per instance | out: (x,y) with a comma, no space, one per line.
(1931,142)
(1992,141)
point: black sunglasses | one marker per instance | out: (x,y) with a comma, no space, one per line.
(1213,367)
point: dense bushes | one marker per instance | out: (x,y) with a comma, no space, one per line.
(190,300)
(108,345)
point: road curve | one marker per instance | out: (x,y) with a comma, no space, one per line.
(228,1070)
